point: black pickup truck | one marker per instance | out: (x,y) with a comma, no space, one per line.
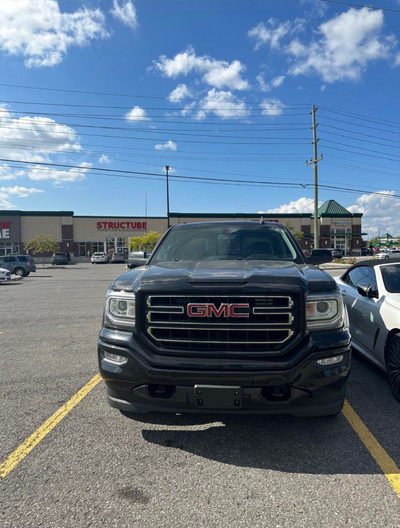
(226,317)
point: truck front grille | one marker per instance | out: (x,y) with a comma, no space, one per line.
(215,322)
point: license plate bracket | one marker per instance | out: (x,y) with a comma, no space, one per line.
(218,397)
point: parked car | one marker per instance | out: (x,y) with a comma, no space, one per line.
(20,265)
(382,255)
(118,257)
(5,275)
(337,253)
(98,258)
(371,290)
(394,253)
(59,258)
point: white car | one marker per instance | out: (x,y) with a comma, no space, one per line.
(371,290)
(382,255)
(98,258)
(5,275)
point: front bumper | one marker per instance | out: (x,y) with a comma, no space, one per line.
(301,387)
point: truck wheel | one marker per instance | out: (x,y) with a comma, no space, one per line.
(19,271)
(393,364)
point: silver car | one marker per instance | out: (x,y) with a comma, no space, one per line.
(5,275)
(371,290)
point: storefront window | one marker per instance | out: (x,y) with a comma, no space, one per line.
(8,247)
(97,247)
(82,249)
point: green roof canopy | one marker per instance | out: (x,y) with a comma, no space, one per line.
(332,208)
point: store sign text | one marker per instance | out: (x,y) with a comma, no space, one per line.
(121,226)
(5,229)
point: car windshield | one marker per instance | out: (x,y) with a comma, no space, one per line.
(391,277)
(226,242)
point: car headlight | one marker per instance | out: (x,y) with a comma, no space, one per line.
(325,312)
(120,308)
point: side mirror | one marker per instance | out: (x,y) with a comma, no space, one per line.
(366,291)
(319,256)
(135,263)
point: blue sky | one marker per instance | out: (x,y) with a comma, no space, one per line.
(216,89)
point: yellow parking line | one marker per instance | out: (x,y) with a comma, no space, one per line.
(384,461)
(31,442)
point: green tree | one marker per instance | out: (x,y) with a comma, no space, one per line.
(42,244)
(374,242)
(298,235)
(146,242)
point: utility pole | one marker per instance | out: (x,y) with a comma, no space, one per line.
(314,162)
(166,170)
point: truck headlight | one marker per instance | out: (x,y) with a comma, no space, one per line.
(325,312)
(120,308)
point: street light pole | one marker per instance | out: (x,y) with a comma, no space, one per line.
(166,170)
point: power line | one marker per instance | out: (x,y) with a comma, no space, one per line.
(152,130)
(168,138)
(360,148)
(360,116)
(359,153)
(358,133)
(359,125)
(185,177)
(392,124)
(363,140)
(167,109)
(361,5)
(65,90)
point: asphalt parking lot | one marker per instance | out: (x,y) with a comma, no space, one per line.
(92,466)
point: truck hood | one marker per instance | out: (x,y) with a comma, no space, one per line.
(225,274)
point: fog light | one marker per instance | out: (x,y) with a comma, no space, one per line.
(116,359)
(330,361)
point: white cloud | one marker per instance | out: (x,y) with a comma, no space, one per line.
(272,107)
(277,81)
(104,159)
(18,192)
(302,205)
(40,32)
(137,114)
(46,136)
(7,173)
(346,44)
(223,104)
(263,86)
(126,13)
(4,203)
(380,213)
(271,33)
(180,92)
(397,60)
(60,176)
(214,72)
(169,145)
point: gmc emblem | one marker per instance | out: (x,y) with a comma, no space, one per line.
(210,310)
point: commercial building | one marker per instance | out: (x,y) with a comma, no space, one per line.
(83,235)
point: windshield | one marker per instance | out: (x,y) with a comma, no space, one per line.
(222,242)
(391,277)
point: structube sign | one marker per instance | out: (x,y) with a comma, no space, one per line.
(5,230)
(121,226)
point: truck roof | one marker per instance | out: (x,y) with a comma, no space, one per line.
(244,223)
